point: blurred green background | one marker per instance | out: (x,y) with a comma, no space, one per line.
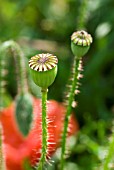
(46,25)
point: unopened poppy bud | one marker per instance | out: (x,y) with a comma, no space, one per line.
(80,43)
(43,69)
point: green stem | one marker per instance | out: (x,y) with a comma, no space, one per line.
(44,129)
(2,161)
(109,155)
(18,56)
(3,72)
(82,14)
(69,108)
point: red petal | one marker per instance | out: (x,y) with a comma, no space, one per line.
(17,148)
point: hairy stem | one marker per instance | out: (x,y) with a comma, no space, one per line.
(69,108)
(2,160)
(3,72)
(44,129)
(17,54)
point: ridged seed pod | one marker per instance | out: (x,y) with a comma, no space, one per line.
(43,68)
(80,43)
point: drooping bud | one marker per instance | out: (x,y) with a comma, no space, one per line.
(43,69)
(80,43)
(23,112)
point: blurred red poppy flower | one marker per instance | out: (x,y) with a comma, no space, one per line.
(18,148)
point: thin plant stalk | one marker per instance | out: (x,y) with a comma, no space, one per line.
(43,68)
(2,160)
(80,43)
(3,82)
(82,16)
(44,129)
(18,57)
(69,108)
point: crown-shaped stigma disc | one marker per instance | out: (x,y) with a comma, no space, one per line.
(80,43)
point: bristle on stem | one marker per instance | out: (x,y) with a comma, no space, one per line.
(44,130)
(69,103)
(2,160)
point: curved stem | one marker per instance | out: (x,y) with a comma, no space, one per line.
(44,129)
(19,64)
(20,67)
(69,108)
(3,73)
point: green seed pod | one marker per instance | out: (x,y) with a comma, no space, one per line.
(80,43)
(43,69)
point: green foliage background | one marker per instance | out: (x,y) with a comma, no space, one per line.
(31,23)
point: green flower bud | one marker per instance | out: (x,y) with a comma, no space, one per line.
(80,43)
(43,68)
